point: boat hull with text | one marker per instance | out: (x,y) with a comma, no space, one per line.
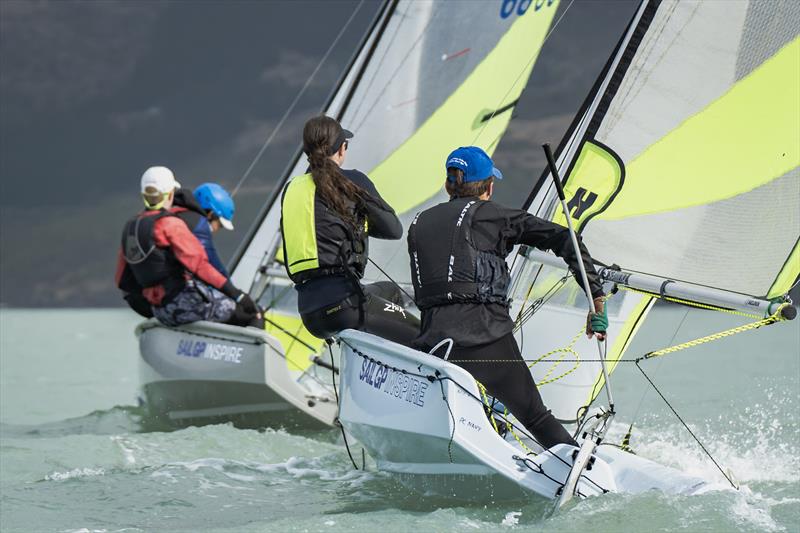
(206,372)
(422,419)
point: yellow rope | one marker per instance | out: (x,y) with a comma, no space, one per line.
(775,317)
(569,349)
(510,426)
(486,403)
(690,303)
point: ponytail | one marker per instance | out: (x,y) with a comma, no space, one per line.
(336,191)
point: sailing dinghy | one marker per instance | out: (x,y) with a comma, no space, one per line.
(416,86)
(682,174)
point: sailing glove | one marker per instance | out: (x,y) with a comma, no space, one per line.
(241,298)
(248,304)
(597,322)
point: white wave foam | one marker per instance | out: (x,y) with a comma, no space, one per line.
(511,519)
(75,473)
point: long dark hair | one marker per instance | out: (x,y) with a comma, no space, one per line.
(337,192)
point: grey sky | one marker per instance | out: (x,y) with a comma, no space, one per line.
(91,93)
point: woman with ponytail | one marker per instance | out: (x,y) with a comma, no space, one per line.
(327,216)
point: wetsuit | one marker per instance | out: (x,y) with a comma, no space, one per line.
(479,323)
(327,271)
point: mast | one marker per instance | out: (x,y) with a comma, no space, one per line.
(373,34)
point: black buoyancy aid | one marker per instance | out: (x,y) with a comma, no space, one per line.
(316,240)
(446,266)
(150,264)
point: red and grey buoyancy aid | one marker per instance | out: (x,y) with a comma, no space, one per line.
(150,264)
(446,266)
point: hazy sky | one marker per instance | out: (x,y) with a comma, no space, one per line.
(92,93)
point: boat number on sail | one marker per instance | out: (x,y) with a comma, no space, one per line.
(210,350)
(508,7)
(396,384)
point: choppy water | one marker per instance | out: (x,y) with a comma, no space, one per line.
(74,455)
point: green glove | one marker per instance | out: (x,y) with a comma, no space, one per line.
(597,322)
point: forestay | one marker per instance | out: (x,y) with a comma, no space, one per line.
(682,163)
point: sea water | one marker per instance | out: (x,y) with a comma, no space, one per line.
(74,455)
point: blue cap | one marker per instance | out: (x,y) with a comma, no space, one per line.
(474,162)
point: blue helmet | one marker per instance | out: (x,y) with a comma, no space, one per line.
(215,199)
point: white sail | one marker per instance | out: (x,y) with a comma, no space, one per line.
(432,76)
(683,163)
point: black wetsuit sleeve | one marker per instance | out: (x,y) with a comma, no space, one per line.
(383,222)
(524,228)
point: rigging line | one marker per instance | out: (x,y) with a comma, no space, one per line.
(660,364)
(339,422)
(687,427)
(452,418)
(290,334)
(390,279)
(530,61)
(398,69)
(278,297)
(296,100)
(403,19)
(526,314)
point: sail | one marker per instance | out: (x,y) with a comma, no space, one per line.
(682,163)
(432,76)
(687,168)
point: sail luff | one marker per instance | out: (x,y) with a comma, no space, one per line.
(566,150)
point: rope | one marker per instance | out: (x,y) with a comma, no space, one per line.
(690,303)
(491,411)
(453,425)
(775,317)
(566,350)
(295,101)
(338,422)
(390,279)
(734,485)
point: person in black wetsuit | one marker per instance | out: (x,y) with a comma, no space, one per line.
(326,217)
(457,251)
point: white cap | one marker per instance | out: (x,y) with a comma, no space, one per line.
(160,178)
(225,223)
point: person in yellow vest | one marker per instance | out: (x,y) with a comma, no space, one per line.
(327,216)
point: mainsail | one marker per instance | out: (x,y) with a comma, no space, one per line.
(432,76)
(683,163)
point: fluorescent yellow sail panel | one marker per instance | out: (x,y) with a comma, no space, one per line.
(415,171)
(285,328)
(745,139)
(597,177)
(626,334)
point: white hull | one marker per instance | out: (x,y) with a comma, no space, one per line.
(207,372)
(419,416)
